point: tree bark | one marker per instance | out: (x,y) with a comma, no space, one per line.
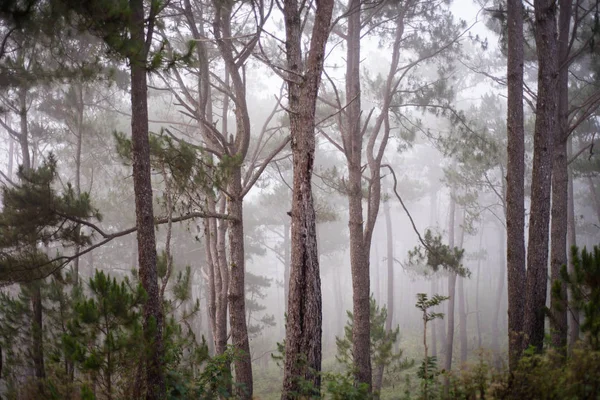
(539,218)
(560,182)
(359,253)
(142,186)
(515,183)
(237,298)
(304,323)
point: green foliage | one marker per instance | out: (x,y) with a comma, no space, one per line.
(428,371)
(104,338)
(547,376)
(35,215)
(584,285)
(255,286)
(434,254)
(344,387)
(382,343)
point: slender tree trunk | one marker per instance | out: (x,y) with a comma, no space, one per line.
(539,218)
(451,290)
(390,266)
(477,309)
(560,183)
(79,136)
(38,331)
(237,298)
(142,186)
(462,320)
(304,323)
(498,305)
(515,183)
(434,325)
(572,241)
(359,254)
(286,265)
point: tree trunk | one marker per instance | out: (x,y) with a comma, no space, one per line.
(571,241)
(359,254)
(560,182)
(539,218)
(434,325)
(286,265)
(142,186)
(515,183)
(462,321)
(498,305)
(451,290)
(38,331)
(390,266)
(304,323)
(237,298)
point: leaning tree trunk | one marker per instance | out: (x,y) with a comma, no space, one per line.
(515,182)
(560,187)
(304,322)
(144,213)
(539,218)
(390,266)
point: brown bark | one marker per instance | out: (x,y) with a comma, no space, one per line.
(515,183)
(571,241)
(560,182)
(539,218)
(359,253)
(239,147)
(142,186)
(237,298)
(304,323)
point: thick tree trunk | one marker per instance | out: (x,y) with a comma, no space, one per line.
(237,298)
(304,323)
(515,183)
(539,218)
(560,182)
(571,241)
(142,186)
